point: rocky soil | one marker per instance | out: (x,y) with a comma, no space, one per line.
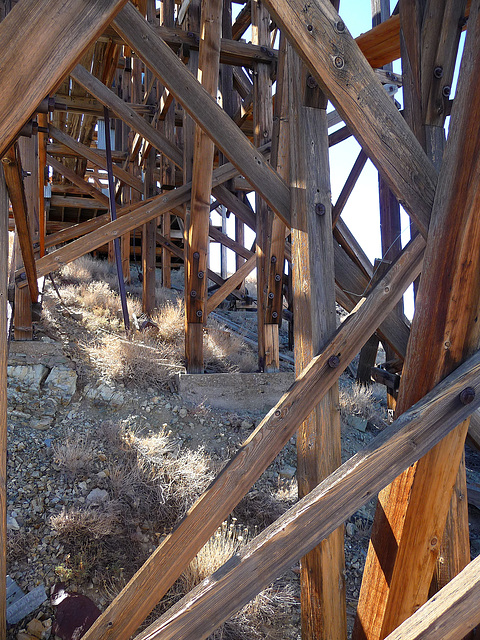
(49,406)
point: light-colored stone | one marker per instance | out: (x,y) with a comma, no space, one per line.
(27,377)
(62,383)
(36,628)
(97,496)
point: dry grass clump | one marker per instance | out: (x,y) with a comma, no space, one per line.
(73,454)
(265,615)
(88,522)
(226,351)
(357,400)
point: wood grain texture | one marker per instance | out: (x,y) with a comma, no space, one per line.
(58,46)
(166,564)
(322,570)
(204,110)
(126,113)
(232,283)
(341,70)
(397,576)
(320,512)
(77,180)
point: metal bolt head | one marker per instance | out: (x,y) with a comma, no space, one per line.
(438,72)
(309,27)
(196,255)
(467,395)
(320,209)
(278,277)
(274,315)
(193,293)
(271,296)
(200,275)
(340,26)
(273,259)
(333,362)
(339,62)
(446,91)
(311,82)
(199,313)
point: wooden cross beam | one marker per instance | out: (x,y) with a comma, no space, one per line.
(57,45)
(82,184)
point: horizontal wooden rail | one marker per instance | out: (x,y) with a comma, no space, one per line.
(325,508)
(166,564)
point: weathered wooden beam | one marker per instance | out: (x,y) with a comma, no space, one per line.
(166,564)
(55,149)
(322,570)
(347,189)
(321,38)
(12,168)
(404,546)
(95,158)
(125,113)
(198,221)
(450,614)
(230,284)
(204,110)
(314,517)
(59,44)
(74,178)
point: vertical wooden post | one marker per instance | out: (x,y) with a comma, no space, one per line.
(42,161)
(412,511)
(318,439)
(197,233)
(262,133)
(3,401)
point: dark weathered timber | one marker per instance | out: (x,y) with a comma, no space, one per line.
(74,178)
(166,564)
(204,110)
(318,514)
(58,44)
(342,71)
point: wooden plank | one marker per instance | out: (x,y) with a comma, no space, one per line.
(125,113)
(341,70)
(322,570)
(166,564)
(450,614)
(399,574)
(42,162)
(12,167)
(58,46)
(198,221)
(348,187)
(314,517)
(94,157)
(61,150)
(204,110)
(76,203)
(74,178)
(230,285)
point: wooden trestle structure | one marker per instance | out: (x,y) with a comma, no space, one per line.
(196,127)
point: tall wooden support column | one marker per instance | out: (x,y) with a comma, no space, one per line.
(412,511)
(318,439)
(167,19)
(3,400)
(262,133)
(197,242)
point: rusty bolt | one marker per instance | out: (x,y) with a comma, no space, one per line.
(199,313)
(278,277)
(333,362)
(446,91)
(438,72)
(200,275)
(309,27)
(193,293)
(467,395)
(278,413)
(320,209)
(434,542)
(271,296)
(340,26)
(273,259)
(196,255)
(339,62)
(311,82)
(274,315)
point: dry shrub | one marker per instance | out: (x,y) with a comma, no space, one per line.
(87,269)
(142,360)
(265,615)
(73,454)
(357,400)
(88,522)
(227,352)
(171,324)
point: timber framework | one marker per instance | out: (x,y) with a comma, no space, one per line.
(125,124)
